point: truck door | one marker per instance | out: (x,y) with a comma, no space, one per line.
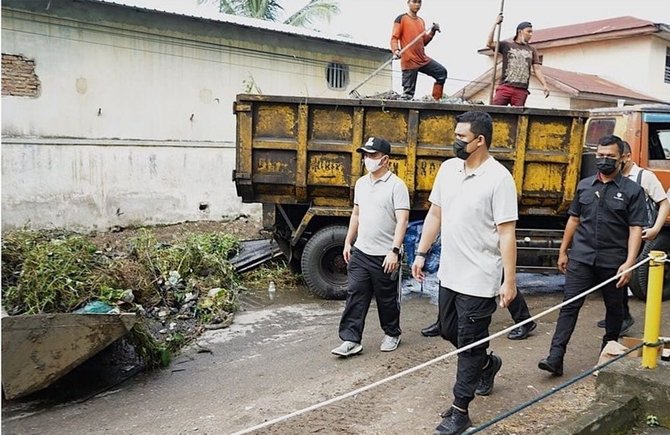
(656,142)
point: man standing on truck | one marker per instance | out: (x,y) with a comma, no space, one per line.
(604,233)
(407,45)
(658,208)
(378,223)
(474,207)
(518,58)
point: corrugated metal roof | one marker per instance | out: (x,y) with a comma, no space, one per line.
(610,28)
(592,84)
(591,28)
(215,16)
(570,82)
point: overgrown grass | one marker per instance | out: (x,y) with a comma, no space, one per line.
(56,273)
(277,271)
(51,275)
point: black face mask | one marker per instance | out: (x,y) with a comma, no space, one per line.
(459,148)
(606,165)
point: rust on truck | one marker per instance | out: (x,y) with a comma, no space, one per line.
(297,157)
(303,150)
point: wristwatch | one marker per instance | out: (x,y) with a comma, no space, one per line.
(396,250)
(420,254)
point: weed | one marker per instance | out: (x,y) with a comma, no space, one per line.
(47,272)
(56,276)
(277,271)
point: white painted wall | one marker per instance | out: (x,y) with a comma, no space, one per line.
(147,100)
(637,62)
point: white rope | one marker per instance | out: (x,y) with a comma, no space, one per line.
(437,359)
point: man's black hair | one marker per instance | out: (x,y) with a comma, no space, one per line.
(610,140)
(481,123)
(626,147)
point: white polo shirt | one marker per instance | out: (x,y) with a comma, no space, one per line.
(377,203)
(472,206)
(649,182)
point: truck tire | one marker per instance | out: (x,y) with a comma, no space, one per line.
(638,281)
(322,263)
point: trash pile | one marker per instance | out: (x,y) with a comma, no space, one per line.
(178,289)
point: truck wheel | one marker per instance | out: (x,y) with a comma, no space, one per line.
(323,265)
(638,282)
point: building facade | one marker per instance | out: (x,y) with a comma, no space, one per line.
(119,116)
(602,63)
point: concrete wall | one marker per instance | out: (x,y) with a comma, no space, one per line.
(133,121)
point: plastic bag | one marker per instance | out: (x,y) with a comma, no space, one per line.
(411,241)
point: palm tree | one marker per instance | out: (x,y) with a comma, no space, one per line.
(270,10)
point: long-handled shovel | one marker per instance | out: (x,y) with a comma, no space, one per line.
(495,54)
(354,92)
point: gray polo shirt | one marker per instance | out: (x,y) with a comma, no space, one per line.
(377,203)
(472,206)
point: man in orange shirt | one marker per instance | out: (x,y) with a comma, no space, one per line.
(406,28)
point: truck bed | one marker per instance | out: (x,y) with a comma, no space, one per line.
(303,150)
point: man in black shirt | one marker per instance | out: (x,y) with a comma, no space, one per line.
(605,230)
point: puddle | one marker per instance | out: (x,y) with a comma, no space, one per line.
(255,299)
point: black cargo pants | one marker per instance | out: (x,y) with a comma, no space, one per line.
(366,279)
(432,68)
(465,319)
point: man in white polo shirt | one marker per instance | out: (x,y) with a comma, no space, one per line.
(474,206)
(378,223)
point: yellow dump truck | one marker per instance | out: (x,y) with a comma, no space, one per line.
(297,156)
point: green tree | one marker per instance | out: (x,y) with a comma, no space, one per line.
(271,10)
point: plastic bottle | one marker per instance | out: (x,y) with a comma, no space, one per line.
(272,290)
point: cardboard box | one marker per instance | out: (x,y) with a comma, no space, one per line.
(630,342)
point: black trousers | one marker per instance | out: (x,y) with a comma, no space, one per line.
(518,309)
(464,320)
(432,68)
(579,278)
(366,279)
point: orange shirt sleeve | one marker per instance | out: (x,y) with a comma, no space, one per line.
(395,35)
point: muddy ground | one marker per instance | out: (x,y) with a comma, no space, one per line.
(275,359)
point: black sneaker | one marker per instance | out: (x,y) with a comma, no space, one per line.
(455,422)
(626,325)
(488,375)
(552,366)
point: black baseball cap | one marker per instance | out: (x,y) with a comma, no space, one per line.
(376,144)
(523,25)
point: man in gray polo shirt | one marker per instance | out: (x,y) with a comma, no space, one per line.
(378,223)
(474,207)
